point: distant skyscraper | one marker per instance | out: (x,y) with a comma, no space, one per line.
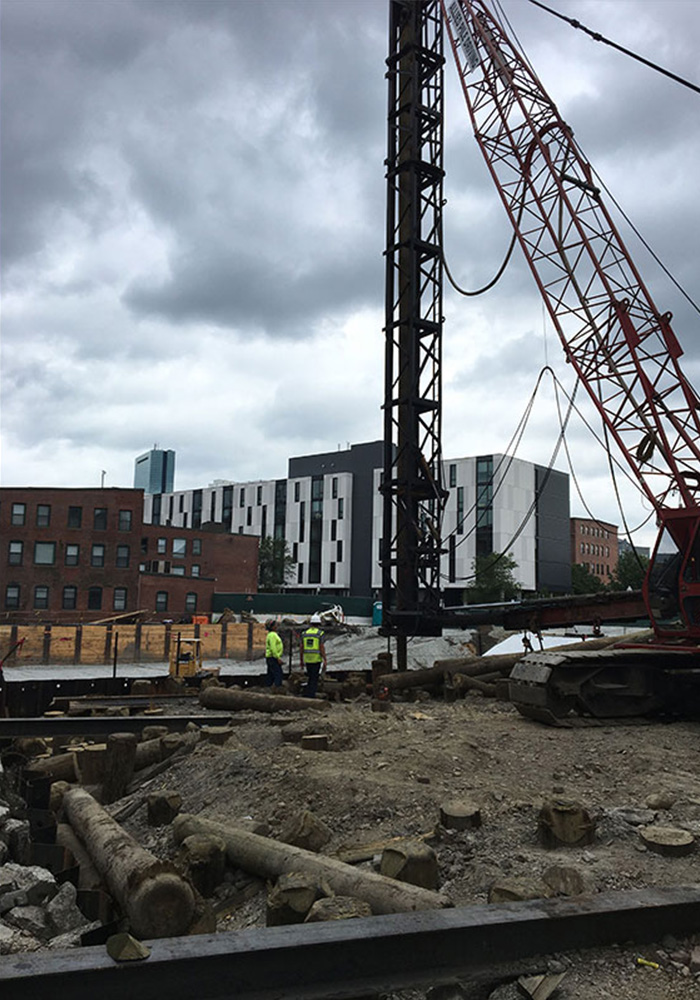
(154,472)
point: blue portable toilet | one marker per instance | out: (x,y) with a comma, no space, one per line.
(377,613)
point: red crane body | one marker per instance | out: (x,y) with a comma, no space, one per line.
(620,344)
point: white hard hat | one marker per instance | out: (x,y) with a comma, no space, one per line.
(315,619)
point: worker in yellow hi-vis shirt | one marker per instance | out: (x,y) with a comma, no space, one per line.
(273,655)
(313,655)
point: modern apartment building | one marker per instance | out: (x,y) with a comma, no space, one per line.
(329,510)
(86,554)
(594,544)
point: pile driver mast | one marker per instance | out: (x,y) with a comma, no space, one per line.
(412,476)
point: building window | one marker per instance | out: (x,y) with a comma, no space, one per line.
(123,553)
(295,551)
(453,476)
(162,546)
(97,556)
(332,573)
(15,552)
(339,557)
(72,555)
(94,598)
(44,553)
(190,603)
(460,510)
(249,517)
(334,530)
(75,517)
(302,520)
(12,596)
(195,569)
(43,515)
(177,571)
(341,508)
(162,600)
(70,598)
(297,492)
(144,546)
(179,548)
(334,487)
(452,559)
(119,603)
(41,597)
(99,519)
(125,520)
(19,512)
(241,499)
(196,546)
(300,573)
(258,496)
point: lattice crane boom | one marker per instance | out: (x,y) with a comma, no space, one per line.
(619,343)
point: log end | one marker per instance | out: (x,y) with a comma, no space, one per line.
(161,906)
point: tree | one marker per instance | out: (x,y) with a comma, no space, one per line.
(275,564)
(629,572)
(583,581)
(493,579)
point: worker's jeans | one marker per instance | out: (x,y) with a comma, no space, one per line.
(312,672)
(274,672)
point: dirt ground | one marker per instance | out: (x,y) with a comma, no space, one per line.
(387,775)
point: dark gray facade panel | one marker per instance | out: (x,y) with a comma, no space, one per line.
(361,460)
(553,544)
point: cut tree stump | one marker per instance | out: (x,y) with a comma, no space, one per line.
(269,858)
(565,824)
(303,829)
(163,807)
(509,890)
(668,840)
(291,898)
(338,908)
(412,861)
(157,901)
(203,857)
(236,699)
(120,757)
(460,815)
(564,881)
(90,764)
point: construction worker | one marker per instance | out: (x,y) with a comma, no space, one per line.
(313,655)
(273,655)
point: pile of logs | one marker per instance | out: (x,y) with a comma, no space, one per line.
(485,674)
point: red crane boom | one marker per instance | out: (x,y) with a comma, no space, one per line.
(620,344)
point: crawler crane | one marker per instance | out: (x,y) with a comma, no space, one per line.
(623,350)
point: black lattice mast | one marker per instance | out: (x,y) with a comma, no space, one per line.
(412,483)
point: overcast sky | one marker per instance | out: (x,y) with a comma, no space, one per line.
(193,225)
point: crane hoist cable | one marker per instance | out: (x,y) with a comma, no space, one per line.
(629,531)
(597,37)
(523,523)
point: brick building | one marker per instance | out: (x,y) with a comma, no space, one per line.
(594,545)
(85,554)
